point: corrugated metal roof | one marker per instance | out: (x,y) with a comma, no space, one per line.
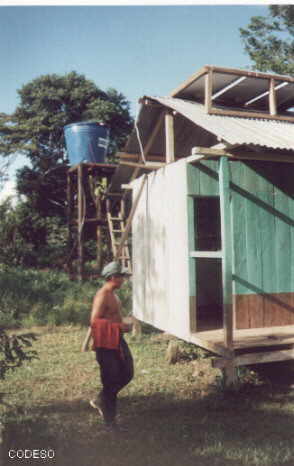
(234,130)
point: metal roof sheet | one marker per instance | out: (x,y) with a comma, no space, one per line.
(234,130)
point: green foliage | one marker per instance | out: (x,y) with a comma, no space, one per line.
(35,129)
(28,239)
(30,297)
(269,40)
(50,102)
(14,350)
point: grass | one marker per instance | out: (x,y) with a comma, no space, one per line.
(176,414)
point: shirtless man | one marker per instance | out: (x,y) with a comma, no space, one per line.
(112,352)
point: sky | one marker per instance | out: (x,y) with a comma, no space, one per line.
(138,50)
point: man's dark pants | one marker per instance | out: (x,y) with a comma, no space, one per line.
(116,371)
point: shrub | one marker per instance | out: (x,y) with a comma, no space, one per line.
(30,297)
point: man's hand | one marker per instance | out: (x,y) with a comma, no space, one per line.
(126,327)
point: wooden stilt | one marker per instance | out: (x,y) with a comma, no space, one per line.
(81,221)
(70,242)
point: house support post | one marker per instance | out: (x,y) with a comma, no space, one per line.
(81,220)
(169,138)
(226,233)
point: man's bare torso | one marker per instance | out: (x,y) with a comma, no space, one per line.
(106,305)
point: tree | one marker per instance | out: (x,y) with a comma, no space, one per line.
(269,40)
(35,129)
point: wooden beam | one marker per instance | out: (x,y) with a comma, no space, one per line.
(215,348)
(247,114)
(250,74)
(70,210)
(110,167)
(169,138)
(210,151)
(258,358)
(149,102)
(272,98)
(225,208)
(130,218)
(228,87)
(136,157)
(255,358)
(268,156)
(189,81)
(81,216)
(154,133)
(150,141)
(207,254)
(147,166)
(208,92)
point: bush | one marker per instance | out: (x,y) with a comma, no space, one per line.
(32,297)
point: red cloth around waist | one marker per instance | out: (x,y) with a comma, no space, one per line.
(106,334)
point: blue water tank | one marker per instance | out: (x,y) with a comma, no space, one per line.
(86,142)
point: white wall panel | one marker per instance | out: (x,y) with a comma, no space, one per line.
(160,251)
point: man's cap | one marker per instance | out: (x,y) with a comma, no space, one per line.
(113,268)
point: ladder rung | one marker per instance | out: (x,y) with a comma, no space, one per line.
(116,218)
(117,231)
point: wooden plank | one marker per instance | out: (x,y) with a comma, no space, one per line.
(212,152)
(169,138)
(224,188)
(208,177)
(208,92)
(255,358)
(70,210)
(136,157)
(149,143)
(81,216)
(193,310)
(272,98)
(253,246)
(147,166)
(189,81)
(242,311)
(250,74)
(193,181)
(239,224)
(130,218)
(216,348)
(247,114)
(239,154)
(207,254)
(264,357)
(192,263)
(283,226)
(228,87)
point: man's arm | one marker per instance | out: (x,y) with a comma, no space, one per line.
(99,306)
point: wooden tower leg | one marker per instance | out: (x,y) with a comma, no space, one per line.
(99,234)
(70,241)
(81,220)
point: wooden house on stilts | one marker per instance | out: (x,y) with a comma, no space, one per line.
(212,233)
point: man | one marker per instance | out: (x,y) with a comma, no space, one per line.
(112,352)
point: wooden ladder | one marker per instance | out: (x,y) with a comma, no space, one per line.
(119,228)
(116,224)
